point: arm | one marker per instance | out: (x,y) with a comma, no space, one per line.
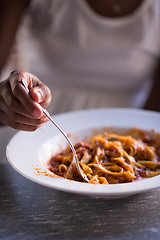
(17,109)
(153,101)
(11,13)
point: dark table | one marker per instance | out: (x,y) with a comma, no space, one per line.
(30,211)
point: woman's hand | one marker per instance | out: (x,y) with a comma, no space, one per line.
(21,110)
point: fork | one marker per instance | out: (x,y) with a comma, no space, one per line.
(75,159)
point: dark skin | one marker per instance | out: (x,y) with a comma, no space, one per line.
(11,13)
(17,109)
(153,101)
(104,8)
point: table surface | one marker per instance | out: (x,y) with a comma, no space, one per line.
(29,211)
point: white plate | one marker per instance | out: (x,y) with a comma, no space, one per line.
(27,149)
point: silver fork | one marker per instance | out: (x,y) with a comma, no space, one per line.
(75,159)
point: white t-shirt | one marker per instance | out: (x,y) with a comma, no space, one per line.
(92,61)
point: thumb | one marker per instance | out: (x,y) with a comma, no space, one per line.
(41,94)
(37,94)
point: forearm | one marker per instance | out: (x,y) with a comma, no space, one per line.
(153,101)
(11,13)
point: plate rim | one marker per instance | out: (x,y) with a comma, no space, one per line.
(95,192)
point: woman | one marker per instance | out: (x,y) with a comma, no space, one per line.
(90,53)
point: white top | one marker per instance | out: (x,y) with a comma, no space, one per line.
(93,61)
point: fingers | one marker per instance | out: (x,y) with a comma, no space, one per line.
(17,125)
(38,91)
(20,93)
(11,104)
(18,109)
(17,116)
(41,94)
(19,121)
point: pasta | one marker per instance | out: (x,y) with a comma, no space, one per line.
(110,158)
